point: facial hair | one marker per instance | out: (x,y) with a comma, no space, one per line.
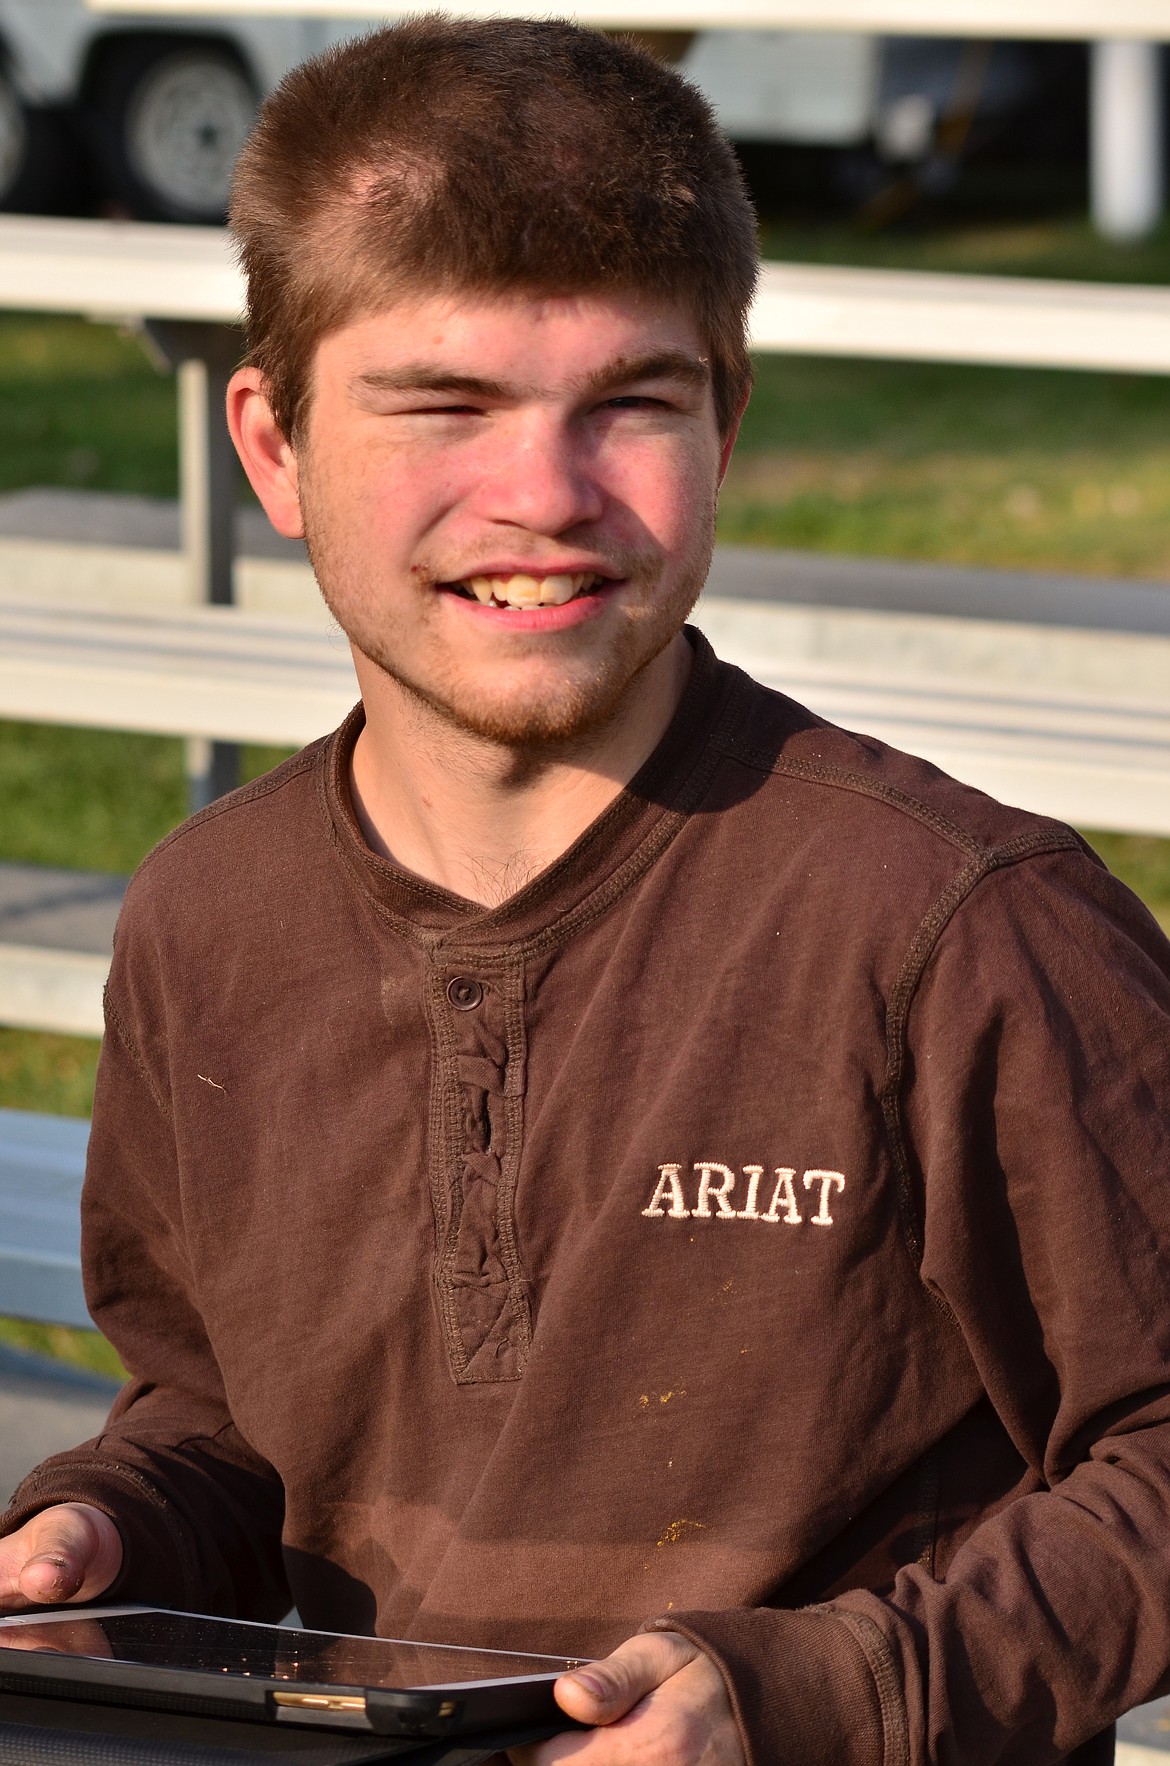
(584,704)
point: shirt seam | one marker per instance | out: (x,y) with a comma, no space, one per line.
(126,1038)
(288,771)
(879,1659)
(845,779)
(1035,843)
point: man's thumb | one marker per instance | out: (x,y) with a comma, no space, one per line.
(66,1553)
(605,1690)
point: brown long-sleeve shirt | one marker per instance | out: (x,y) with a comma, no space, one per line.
(759,1222)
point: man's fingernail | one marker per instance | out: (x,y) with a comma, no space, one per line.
(590,1683)
(64,1575)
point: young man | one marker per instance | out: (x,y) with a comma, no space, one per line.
(588,1156)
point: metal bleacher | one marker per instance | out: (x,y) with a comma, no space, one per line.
(1052,692)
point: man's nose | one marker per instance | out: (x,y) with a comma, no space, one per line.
(540,476)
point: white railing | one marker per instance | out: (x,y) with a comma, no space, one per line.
(118,270)
(1067,19)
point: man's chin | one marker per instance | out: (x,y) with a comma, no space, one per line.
(524,720)
(546,711)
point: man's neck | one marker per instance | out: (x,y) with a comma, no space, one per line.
(482,819)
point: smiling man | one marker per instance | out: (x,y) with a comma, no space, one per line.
(510,504)
(590,1157)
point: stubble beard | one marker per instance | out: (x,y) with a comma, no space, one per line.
(583,705)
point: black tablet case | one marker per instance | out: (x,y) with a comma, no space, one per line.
(63,1732)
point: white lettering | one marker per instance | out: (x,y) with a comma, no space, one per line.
(668,1180)
(791,1215)
(749,1211)
(717,1192)
(717,1181)
(829,1181)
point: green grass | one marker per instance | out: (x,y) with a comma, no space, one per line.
(94,799)
(83,1349)
(1143,863)
(1002,467)
(83,405)
(50,1073)
(98,799)
(987,466)
(1061,246)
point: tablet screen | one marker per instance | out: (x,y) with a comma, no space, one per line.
(159,1639)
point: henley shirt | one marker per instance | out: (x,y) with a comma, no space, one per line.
(758,1225)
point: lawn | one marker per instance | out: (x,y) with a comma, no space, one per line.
(1045,471)
(84,406)
(1004,467)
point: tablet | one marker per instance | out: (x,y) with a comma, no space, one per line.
(163,1660)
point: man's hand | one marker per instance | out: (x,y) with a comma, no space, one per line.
(70,1553)
(657,1701)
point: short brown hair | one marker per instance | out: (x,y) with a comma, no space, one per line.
(442,154)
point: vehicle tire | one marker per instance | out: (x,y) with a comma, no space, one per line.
(172,118)
(40,159)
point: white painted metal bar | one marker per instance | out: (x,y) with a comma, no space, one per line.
(1067,19)
(1070,723)
(214,672)
(42,1159)
(58,991)
(1126,135)
(804,309)
(185,280)
(205,356)
(130,578)
(117,270)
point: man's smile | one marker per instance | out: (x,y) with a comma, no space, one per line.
(521,589)
(532,600)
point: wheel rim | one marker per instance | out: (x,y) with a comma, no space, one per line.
(189,117)
(13,137)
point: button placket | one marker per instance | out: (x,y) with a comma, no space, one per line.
(482,1291)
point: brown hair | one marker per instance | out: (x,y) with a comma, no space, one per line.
(439,154)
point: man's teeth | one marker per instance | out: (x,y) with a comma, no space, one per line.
(529,591)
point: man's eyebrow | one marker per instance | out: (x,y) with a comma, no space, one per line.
(678,365)
(425,377)
(422,377)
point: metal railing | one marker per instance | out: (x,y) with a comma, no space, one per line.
(1099,722)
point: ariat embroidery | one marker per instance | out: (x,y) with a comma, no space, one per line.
(717,1197)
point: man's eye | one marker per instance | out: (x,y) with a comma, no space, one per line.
(635,401)
(451,410)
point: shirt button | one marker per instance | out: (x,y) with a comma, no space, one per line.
(464,993)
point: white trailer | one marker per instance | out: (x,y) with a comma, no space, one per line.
(145,114)
(149,109)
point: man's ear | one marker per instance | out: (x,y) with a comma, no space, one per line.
(729,439)
(267,457)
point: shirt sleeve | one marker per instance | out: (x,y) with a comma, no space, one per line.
(1035,1126)
(200,1513)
